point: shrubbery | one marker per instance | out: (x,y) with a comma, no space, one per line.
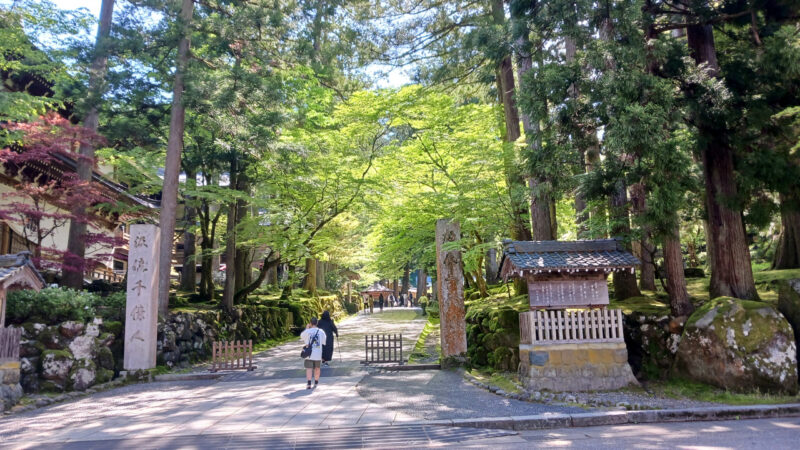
(55,305)
(351,307)
(433,309)
(50,306)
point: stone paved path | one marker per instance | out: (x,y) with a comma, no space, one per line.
(445,394)
(270,399)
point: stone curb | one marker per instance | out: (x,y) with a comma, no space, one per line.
(189,376)
(406,367)
(593,419)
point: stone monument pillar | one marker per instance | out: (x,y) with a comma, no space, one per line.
(141,307)
(450,288)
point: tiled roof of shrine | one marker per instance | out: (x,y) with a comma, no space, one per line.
(605,255)
(11,265)
(376,287)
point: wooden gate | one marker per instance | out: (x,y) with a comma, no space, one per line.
(232,355)
(9,343)
(383,348)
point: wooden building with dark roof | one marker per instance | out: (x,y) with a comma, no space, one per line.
(563,274)
(569,339)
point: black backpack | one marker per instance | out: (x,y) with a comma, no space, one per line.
(306,351)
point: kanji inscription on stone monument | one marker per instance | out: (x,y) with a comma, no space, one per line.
(450,284)
(141,308)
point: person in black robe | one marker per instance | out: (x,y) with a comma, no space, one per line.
(326,324)
(380,301)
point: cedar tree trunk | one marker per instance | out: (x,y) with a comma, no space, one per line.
(422,283)
(624,281)
(647,273)
(406,279)
(169,191)
(732,275)
(74,260)
(189,270)
(787,255)
(310,283)
(679,303)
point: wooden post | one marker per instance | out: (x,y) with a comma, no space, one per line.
(450,292)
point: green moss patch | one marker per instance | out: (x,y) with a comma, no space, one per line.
(681,388)
(645,305)
(501,380)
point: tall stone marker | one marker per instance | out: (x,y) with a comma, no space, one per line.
(450,287)
(141,307)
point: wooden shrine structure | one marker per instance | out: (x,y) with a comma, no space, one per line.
(570,340)
(375,291)
(17,272)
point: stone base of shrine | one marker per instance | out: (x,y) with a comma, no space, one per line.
(575,367)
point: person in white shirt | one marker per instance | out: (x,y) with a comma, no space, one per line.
(314,337)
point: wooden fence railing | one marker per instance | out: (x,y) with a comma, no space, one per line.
(107,275)
(525,328)
(562,326)
(9,343)
(383,348)
(232,355)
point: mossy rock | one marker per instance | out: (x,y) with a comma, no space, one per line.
(113,327)
(105,358)
(51,338)
(56,366)
(508,318)
(643,305)
(104,375)
(51,386)
(739,345)
(83,375)
(503,358)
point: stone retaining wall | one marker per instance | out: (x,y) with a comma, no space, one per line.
(75,356)
(576,367)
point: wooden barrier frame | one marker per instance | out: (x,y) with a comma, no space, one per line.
(567,327)
(9,343)
(383,348)
(232,355)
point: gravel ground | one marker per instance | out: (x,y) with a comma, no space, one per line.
(622,399)
(629,400)
(444,394)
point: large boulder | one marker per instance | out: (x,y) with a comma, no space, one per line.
(56,365)
(739,345)
(70,329)
(83,347)
(10,395)
(789,306)
(83,375)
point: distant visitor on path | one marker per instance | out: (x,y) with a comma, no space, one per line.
(380,302)
(313,337)
(326,324)
(411,299)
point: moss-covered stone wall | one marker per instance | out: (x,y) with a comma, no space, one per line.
(493,330)
(74,355)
